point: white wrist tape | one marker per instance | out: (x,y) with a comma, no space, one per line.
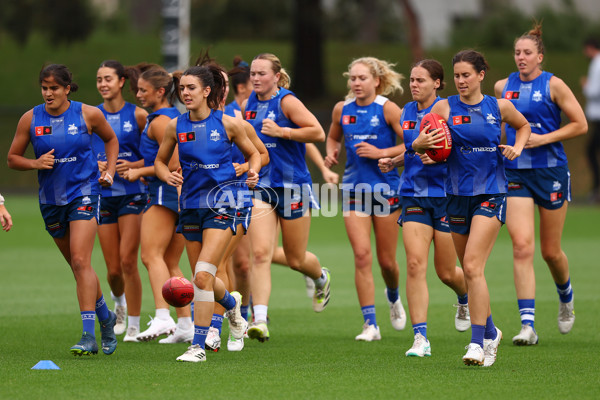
(203,266)
(1,200)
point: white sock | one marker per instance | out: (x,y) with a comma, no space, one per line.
(120,300)
(163,313)
(184,323)
(260,312)
(134,321)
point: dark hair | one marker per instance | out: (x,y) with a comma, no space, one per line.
(117,66)
(472,57)
(535,35)
(61,75)
(209,75)
(156,75)
(435,69)
(239,74)
(592,42)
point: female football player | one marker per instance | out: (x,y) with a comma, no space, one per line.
(369,125)
(476,187)
(208,200)
(60,131)
(122,203)
(540,176)
(423,218)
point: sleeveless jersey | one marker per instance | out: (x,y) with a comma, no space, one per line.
(205,157)
(231,108)
(75,171)
(125,126)
(475,165)
(367,124)
(149,147)
(533,100)
(418,179)
(287,166)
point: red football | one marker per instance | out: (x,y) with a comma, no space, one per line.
(178,292)
(434,121)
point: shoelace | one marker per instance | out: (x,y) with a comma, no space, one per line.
(565,312)
(462,310)
(395,312)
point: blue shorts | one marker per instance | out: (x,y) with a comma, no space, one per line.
(425,210)
(368,203)
(549,187)
(162,194)
(243,216)
(57,218)
(193,221)
(111,208)
(461,210)
(289,203)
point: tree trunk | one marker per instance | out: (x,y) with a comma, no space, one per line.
(307,80)
(414,30)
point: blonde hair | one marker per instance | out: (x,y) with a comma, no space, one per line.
(389,80)
(284,78)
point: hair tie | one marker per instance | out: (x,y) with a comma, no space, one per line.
(243,64)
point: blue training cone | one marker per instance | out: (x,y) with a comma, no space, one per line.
(45,364)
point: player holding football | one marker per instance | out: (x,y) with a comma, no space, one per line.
(208,199)
(423,218)
(161,246)
(540,176)
(121,204)
(476,187)
(60,131)
(369,124)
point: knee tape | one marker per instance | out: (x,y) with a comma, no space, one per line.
(203,295)
(203,266)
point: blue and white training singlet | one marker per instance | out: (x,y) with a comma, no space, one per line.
(149,147)
(287,166)
(533,100)
(75,172)
(367,124)
(125,126)
(205,158)
(418,179)
(475,164)
(231,108)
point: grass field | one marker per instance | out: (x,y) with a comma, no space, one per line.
(309,355)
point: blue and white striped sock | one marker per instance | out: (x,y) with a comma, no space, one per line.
(217,322)
(102,309)
(368,313)
(89,320)
(420,328)
(565,292)
(200,333)
(527,311)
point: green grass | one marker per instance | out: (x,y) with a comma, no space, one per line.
(309,355)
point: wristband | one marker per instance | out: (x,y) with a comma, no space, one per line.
(1,200)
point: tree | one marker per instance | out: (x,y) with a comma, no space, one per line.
(414,30)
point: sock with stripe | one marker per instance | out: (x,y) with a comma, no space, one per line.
(565,292)
(200,333)
(420,328)
(102,309)
(89,319)
(527,311)
(217,322)
(368,313)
